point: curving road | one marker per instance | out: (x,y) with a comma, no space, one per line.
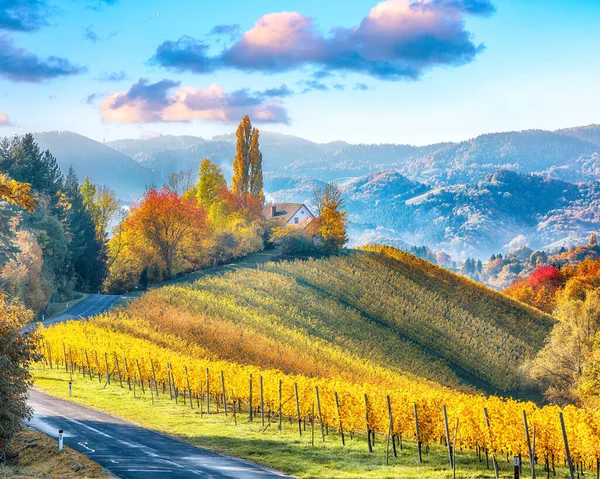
(130,451)
(90,306)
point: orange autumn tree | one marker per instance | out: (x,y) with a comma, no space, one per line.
(169,224)
(162,235)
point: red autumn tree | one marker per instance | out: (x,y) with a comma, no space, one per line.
(247,205)
(169,224)
(545,277)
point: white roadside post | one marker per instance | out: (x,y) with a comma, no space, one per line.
(70,388)
(60,440)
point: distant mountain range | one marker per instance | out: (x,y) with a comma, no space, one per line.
(469,198)
(103,164)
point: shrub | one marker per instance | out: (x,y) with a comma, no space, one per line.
(293,240)
(17,351)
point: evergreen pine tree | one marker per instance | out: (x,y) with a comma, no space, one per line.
(86,251)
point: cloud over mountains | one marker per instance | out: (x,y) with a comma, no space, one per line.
(18,64)
(398,39)
(147,102)
(5,120)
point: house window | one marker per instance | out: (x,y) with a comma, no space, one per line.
(302,212)
(296,220)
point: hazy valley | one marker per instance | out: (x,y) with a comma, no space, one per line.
(460,198)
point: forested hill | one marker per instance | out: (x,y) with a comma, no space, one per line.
(353,316)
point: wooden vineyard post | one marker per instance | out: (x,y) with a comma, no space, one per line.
(533,445)
(140,373)
(298,409)
(367,421)
(390,425)
(454,450)
(529,447)
(262,402)
(201,399)
(151,391)
(566,441)
(312,426)
(250,413)
(71,358)
(417,435)
(50,355)
(207,392)
(65,358)
(280,404)
(187,380)
(87,359)
(320,415)
(83,366)
(107,371)
(494,461)
(134,379)
(175,391)
(118,369)
(233,404)
(154,377)
(224,394)
(448,443)
(128,374)
(337,406)
(169,381)
(98,367)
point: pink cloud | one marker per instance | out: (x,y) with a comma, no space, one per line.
(397,39)
(5,120)
(149,103)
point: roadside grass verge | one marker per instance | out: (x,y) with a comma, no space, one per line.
(283,450)
(55,309)
(35,455)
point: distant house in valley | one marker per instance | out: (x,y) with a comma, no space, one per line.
(289,214)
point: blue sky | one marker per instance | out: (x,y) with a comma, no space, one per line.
(434,70)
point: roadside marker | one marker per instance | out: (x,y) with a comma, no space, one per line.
(60,439)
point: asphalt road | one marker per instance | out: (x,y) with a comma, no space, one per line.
(132,452)
(90,306)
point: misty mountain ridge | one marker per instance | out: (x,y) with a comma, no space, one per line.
(468,198)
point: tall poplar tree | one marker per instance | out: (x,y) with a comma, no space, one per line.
(256,176)
(241,164)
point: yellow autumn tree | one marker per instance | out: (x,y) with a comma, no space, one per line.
(210,182)
(332,225)
(256,175)
(18,351)
(16,193)
(241,163)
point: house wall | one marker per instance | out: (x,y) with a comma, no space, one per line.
(302,214)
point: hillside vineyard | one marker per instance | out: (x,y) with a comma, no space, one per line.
(214,339)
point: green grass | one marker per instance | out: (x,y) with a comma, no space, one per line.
(284,450)
(56,309)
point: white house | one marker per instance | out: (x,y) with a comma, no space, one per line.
(289,214)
